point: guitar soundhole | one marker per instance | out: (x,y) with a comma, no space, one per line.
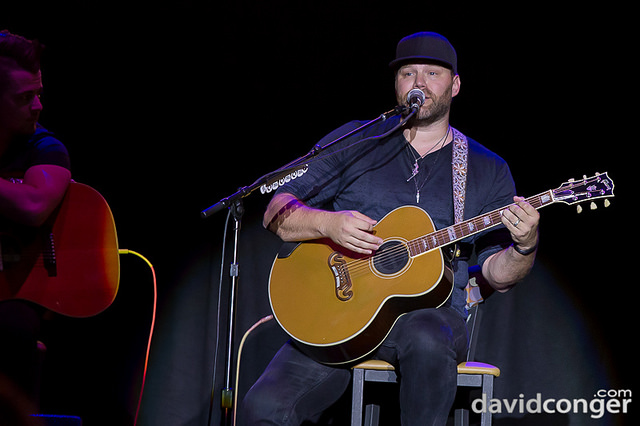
(391,258)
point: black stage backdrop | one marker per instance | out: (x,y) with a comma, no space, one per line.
(167,107)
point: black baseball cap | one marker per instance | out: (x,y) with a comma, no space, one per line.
(425,47)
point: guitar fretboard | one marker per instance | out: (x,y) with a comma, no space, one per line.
(470,227)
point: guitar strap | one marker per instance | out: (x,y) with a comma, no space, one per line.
(459,168)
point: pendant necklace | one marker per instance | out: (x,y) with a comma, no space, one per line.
(416,165)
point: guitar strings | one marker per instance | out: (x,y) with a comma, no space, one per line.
(359,265)
(404,249)
(386,257)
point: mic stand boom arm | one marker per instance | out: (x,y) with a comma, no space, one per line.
(234,202)
(270,178)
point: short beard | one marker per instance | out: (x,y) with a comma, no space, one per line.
(439,108)
(435,112)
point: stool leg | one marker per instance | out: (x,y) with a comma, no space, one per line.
(356,400)
(372,415)
(487,389)
(461,417)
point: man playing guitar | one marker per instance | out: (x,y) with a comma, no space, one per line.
(348,191)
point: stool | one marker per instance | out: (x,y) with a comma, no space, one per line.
(470,374)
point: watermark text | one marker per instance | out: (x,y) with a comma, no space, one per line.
(603,401)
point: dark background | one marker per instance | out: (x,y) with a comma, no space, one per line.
(167,107)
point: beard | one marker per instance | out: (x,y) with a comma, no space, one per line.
(437,110)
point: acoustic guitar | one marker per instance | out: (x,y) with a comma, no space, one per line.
(339,306)
(70,265)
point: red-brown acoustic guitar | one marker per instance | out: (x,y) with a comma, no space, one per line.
(339,306)
(70,265)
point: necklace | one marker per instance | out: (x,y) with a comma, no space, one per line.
(416,165)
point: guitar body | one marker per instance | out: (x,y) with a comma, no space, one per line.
(339,305)
(71,264)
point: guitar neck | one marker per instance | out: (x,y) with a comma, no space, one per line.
(470,227)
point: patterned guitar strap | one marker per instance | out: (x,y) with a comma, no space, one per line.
(459,170)
(459,167)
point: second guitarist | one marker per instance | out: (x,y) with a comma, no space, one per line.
(34,176)
(351,187)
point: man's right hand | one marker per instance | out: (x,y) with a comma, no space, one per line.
(351,230)
(292,220)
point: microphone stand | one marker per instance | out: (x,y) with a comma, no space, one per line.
(267,183)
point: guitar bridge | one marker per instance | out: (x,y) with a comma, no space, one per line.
(341,276)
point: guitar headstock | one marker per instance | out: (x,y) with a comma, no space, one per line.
(585,189)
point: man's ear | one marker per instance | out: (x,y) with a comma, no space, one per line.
(455,86)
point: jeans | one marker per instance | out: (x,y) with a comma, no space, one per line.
(425,346)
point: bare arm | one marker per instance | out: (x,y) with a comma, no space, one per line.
(31,202)
(292,220)
(505,268)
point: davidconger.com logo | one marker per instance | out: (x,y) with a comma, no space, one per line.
(603,401)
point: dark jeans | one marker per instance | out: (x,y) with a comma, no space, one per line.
(425,346)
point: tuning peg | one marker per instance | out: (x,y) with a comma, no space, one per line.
(579,209)
(593,206)
(607,203)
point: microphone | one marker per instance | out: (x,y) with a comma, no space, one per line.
(415,99)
